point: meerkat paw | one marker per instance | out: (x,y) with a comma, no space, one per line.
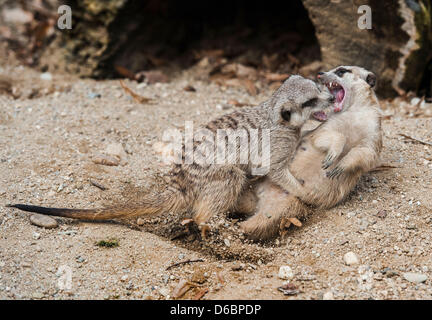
(286,223)
(260,227)
(205,229)
(335,172)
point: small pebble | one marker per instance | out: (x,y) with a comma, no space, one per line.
(116,150)
(140,221)
(93,95)
(36,235)
(285,273)
(46,76)
(415,277)
(328,296)
(43,221)
(351,258)
(106,160)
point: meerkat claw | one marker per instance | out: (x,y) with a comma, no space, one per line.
(295,222)
(335,173)
(205,229)
(328,161)
(186,223)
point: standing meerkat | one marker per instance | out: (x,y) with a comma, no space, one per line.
(328,162)
(208,189)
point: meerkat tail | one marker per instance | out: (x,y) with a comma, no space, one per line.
(150,205)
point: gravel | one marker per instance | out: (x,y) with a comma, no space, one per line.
(49,141)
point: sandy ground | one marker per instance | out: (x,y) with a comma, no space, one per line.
(48,141)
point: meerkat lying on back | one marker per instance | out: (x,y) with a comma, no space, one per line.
(328,162)
(212,189)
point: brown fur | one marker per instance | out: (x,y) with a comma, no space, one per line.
(212,189)
(328,162)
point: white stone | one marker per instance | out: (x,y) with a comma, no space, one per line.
(328,296)
(415,101)
(227,242)
(351,258)
(43,221)
(116,150)
(286,273)
(415,277)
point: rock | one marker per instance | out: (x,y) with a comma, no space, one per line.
(124,278)
(351,258)
(415,277)
(140,221)
(286,273)
(351,214)
(46,76)
(93,95)
(37,295)
(106,160)
(415,101)
(116,150)
(328,296)
(36,235)
(17,16)
(227,242)
(43,221)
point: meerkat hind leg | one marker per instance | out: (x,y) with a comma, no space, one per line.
(247,203)
(276,210)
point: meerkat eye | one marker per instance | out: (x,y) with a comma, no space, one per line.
(286,115)
(310,103)
(341,71)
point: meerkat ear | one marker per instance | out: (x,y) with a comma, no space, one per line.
(371,79)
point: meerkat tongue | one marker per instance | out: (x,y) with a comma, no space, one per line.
(320,115)
(339,95)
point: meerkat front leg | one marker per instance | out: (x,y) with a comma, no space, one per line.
(285,179)
(363,157)
(333,144)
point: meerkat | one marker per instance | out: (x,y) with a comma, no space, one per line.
(212,189)
(329,161)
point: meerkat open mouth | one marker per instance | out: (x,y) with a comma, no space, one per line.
(338,92)
(320,116)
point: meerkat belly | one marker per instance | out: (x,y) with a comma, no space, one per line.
(321,191)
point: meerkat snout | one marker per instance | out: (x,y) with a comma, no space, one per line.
(341,82)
